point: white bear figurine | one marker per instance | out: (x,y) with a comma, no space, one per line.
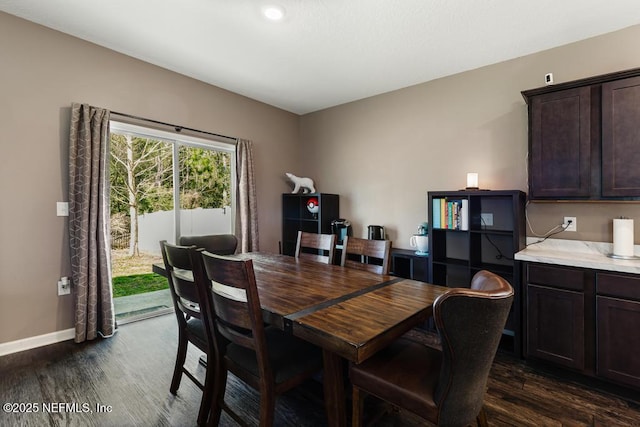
(299,182)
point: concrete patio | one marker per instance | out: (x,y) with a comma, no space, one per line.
(142,306)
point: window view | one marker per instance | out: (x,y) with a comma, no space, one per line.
(163,185)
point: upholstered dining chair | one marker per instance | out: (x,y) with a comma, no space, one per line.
(222,244)
(431,337)
(444,387)
(264,357)
(194,313)
(366,250)
(316,247)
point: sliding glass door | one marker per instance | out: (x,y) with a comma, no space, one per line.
(163,185)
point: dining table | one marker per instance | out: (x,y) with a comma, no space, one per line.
(349,313)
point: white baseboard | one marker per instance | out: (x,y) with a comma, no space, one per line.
(37,341)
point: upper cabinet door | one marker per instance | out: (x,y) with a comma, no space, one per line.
(621,138)
(560,144)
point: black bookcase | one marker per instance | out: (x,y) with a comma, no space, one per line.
(406,263)
(484,231)
(296,216)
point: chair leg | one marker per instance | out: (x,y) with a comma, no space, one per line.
(207,393)
(267,407)
(357,402)
(180,358)
(481,419)
(217,400)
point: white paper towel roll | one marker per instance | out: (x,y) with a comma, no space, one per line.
(623,237)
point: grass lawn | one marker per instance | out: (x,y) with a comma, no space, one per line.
(138,284)
(132,275)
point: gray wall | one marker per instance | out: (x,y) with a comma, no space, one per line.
(380,154)
(42,73)
(383,154)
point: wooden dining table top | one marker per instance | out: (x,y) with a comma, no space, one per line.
(349,313)
(352,313)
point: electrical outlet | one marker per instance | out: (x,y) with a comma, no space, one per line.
(570,227)
(64,287)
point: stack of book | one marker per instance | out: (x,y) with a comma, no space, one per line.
(451,214)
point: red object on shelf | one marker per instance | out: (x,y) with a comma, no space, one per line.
(313,205)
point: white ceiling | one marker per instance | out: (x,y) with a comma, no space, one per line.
(326,52)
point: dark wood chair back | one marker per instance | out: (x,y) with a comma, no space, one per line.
(237,304)
(179,268)
(445,387)
(194,312)
(222,244)
(370,255)
(268,359)
(316,247)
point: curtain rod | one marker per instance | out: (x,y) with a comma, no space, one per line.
(177,128)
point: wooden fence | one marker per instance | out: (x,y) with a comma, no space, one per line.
(120,241)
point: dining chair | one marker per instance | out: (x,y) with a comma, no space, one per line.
(222,244)
(426,335)
(358,253)
(264,357)
(444,387)
(194,312)
(316,247)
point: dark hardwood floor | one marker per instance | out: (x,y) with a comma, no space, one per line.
(129,376)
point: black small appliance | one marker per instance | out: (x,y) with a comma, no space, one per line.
(376,232)
(341,228)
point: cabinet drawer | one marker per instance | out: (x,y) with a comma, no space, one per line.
(557,277)
(617,285)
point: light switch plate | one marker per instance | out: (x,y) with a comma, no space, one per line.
(62,208)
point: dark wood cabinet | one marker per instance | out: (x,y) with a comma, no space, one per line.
(484,233)
(555,321)
(585,320)
(618,323)
(406,263)
(621,132)
(296,216)
(560,148)
(584,141)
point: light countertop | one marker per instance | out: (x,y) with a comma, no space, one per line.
(576,253)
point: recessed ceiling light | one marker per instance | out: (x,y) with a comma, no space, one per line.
(273,12)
